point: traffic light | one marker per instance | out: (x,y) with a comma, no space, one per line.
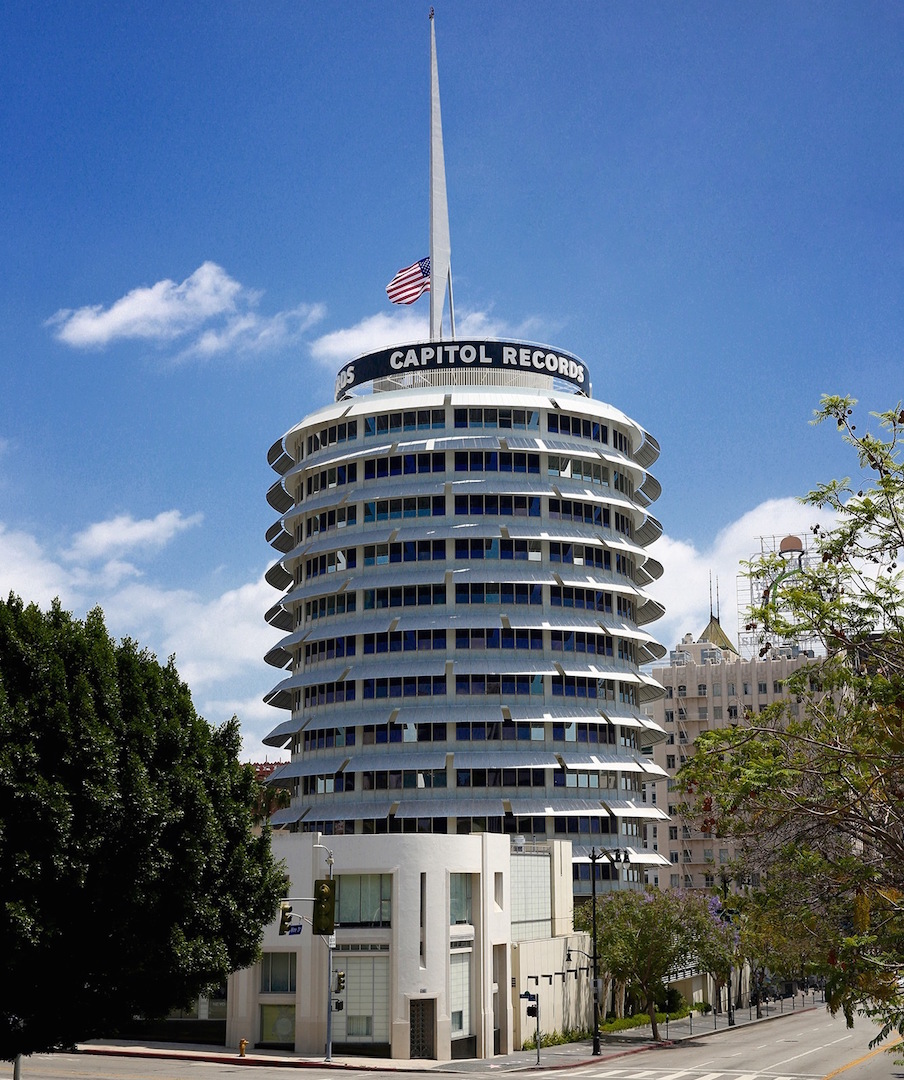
(533,1010)
(340,982)
(285,918)
(324,921)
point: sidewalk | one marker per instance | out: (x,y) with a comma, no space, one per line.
(567,1056)
(695,1026)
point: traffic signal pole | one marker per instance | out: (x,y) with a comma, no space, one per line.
(330,942)
(533,1009)
(323,924)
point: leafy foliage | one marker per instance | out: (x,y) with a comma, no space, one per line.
(643,937)
(130,878)
(556,1038)
(781,938)
(813,788)
(268,800)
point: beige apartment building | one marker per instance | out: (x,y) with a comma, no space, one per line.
(708,684)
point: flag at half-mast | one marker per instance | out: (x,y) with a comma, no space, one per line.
(409,283)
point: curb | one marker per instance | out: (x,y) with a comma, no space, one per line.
(382,1065)
(235,1059)
(358,1066)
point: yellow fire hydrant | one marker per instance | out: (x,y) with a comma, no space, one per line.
(243,1046)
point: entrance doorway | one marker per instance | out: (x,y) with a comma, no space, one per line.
(422,1029)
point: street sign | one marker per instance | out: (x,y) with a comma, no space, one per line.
(295,928)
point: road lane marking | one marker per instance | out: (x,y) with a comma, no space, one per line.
(866,1057)
(815,1050)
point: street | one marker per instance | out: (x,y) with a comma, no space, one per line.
(808,1045)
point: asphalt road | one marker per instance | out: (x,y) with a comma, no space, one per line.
(810,1045)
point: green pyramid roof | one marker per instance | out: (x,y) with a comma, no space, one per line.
(715,635)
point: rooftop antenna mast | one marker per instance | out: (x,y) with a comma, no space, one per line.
(440,242)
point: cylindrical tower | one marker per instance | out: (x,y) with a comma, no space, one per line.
(463,571)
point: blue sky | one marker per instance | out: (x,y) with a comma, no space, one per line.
(202,206)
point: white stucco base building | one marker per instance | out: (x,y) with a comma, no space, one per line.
(437,937)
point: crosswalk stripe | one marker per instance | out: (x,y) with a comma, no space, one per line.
(680,1074)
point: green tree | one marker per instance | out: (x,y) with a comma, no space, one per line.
(643,937)
(780,936)
(813,788)
(130,878)
(269,799)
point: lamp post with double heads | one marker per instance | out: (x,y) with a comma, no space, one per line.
(595,856)
(726,915)
(614,856)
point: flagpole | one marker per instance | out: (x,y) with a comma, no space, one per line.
(440,242)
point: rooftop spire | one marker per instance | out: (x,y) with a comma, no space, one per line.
(440,243)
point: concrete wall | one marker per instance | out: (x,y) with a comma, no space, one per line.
(540,967)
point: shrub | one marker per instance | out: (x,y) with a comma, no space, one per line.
(557,1038)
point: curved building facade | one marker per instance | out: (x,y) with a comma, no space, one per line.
(463,578)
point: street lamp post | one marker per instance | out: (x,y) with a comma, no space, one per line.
(726,915)
(594,858)
(615,856)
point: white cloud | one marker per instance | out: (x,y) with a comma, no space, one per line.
(375,332)
(210,312)
(481,324)
(27,571)
(123,533)
(407,325)
(213,639)
(251,333)
(684,588)
(158,312)
(105,577)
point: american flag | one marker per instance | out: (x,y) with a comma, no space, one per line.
(408,284)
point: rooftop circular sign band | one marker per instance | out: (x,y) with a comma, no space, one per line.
(515,356)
